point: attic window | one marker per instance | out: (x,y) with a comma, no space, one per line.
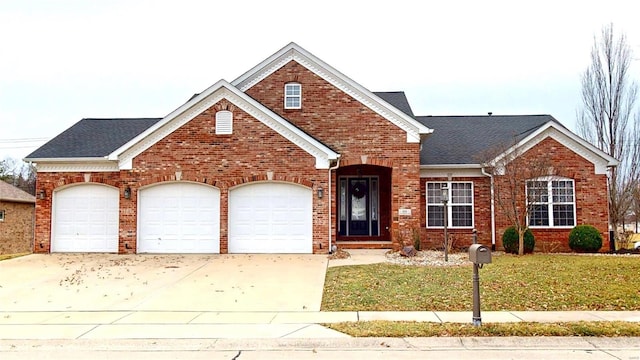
(292,96)
(224,122)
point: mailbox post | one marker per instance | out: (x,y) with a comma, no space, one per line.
(478,255)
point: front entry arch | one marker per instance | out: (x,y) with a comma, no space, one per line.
(364,203)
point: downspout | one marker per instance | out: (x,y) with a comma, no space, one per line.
(493,212)
(330,212)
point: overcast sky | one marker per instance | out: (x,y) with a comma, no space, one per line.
(61,61)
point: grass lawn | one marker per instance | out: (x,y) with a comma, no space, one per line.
(418,329)
(11,256)
(532,282)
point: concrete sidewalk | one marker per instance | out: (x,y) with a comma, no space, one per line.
(255,325)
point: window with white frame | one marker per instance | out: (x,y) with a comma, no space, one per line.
(552,203)
(224,122)
(459,204)
(1,215)
(292,96)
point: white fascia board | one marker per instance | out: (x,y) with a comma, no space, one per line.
(452,170)
(599,158)
(86,165)
(222,90)
(411,126)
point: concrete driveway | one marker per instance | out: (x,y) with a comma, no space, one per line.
(108,282)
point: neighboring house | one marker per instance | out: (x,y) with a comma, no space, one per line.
(292,157)
(17,211)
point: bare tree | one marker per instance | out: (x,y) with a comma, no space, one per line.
(18,174)
(609,98)
(520,183)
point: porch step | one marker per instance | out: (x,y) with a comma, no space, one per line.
(364,244)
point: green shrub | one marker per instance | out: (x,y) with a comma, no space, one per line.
(585,238)
(510,241)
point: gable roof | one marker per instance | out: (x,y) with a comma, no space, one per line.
(92,138)
(10,193)
(292,52)
(204,100)
(397,99)
(460,140)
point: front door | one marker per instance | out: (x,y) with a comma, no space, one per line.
(358,209)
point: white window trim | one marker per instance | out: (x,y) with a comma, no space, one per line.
(2,215)
(449,205)
(299,96)
(549,203)
(224,122)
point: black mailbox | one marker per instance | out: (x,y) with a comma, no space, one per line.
(479,254)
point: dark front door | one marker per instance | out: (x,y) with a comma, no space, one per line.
(359,207)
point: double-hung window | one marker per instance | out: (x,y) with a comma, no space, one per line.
(459,204)
(292,96)
(552,203)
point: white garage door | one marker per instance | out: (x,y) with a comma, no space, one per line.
(270,218)
(85,219)
(179,218)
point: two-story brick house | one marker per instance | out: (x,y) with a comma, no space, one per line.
(291,157)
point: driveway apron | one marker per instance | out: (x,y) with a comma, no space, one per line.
(109,282)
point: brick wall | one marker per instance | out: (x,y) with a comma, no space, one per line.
(353,130)
(16,231)
(590,190)
(51,182)
(225,161)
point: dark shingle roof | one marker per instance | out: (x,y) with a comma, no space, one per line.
(397,99)
(462,139)
(93,138)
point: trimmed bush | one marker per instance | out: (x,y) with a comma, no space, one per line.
(510,241)
(585,238)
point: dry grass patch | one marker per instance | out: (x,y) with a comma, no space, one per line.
(11,256)
(538,282)
(425,329)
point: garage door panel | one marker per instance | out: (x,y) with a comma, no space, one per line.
(179,218)
(85,218)
(270,218)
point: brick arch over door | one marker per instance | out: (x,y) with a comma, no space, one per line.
(363,201)
(84,218)
(270,217)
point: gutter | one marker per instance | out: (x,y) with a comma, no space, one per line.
(330,212)
(493,211)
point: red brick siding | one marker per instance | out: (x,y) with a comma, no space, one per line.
(16,231)
(51,182)
(225,161)
(590,190)
(353,130)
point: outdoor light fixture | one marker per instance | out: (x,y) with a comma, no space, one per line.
(41,194)
(127,193)
(445,198)
(320,192)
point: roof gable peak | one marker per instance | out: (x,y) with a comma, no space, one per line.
(293,51)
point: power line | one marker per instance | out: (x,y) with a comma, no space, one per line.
(19,140)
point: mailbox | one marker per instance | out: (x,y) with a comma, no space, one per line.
(479,254)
